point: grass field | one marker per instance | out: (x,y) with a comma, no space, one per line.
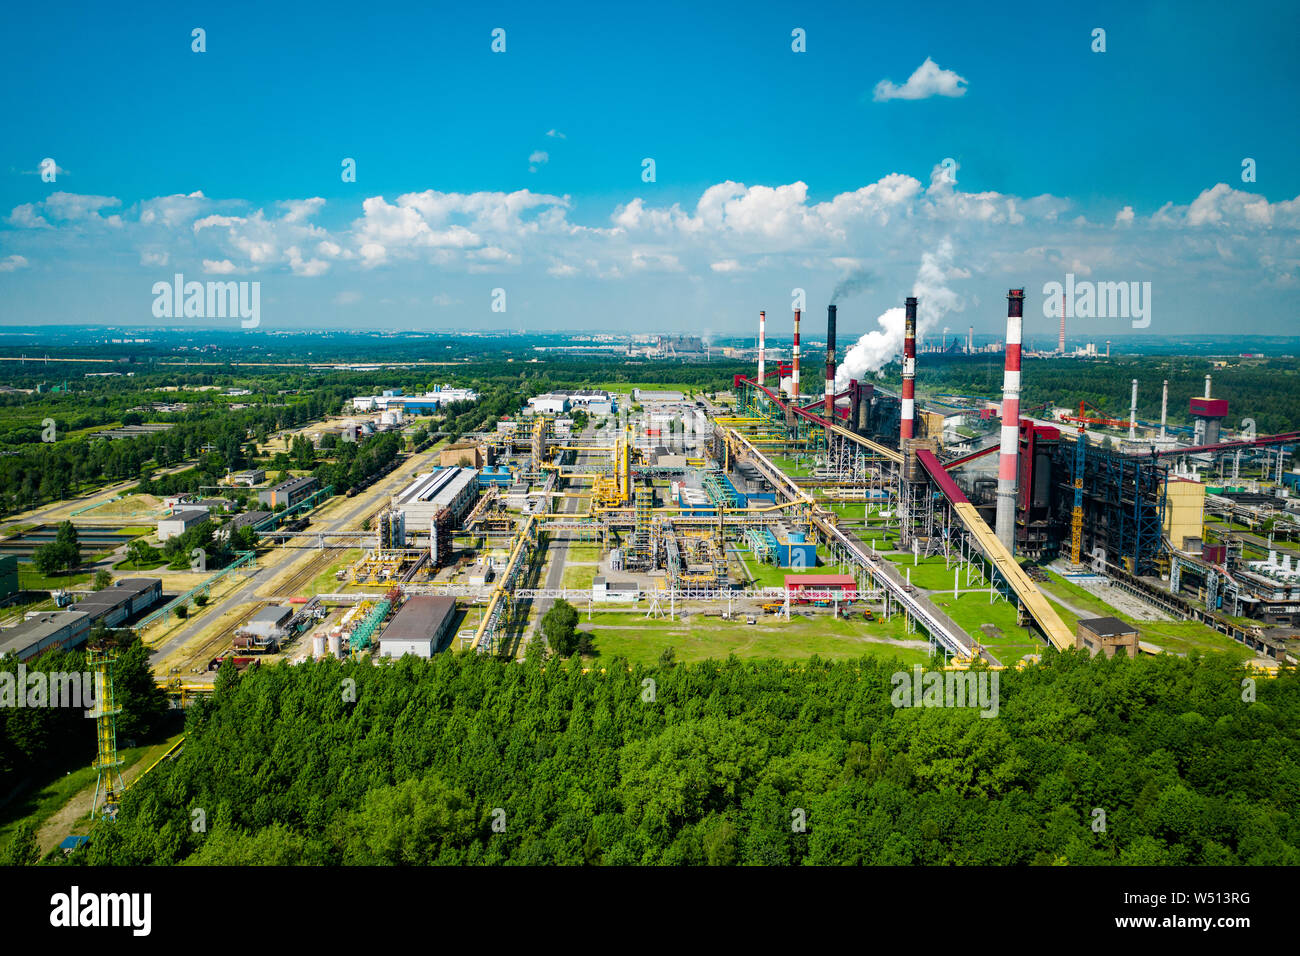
(1176,637)
(38,805)
(29,579)
(578,576)
(640,639)
(800,469)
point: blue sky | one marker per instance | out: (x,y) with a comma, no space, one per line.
(1107,165)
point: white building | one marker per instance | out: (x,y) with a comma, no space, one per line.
(552,403)
(177,524)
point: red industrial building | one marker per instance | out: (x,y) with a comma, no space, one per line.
(843,583)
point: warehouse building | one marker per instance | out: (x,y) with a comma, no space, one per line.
(419,628)
(461,454)
(452,488)
(843,583)
(122,600)
(1107,635)
(177,524)
(247,518)
(287,493)
(46,632)
(552,403)
(254,476)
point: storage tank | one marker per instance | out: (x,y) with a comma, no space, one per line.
(318,646)
(336,645)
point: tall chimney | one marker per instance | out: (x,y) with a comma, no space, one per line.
(794,358)
(855,398)
(865,392)
(1060,339)
(830,363)
(1164,407)
(762,349)
(1006,513)
(970,340)
(1133,412)
(1108,348)
(1207,386)
(907,421)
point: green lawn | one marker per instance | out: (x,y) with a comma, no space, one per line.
(786,463)
(578,576)
(129,565)
(931,574)
(29,579)
(769,576)
(642,639)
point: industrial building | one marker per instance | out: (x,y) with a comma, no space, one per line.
(121,600)
(1106,635)
(246,519)
(429,402)
(247,479)
(552,403)
(419,628)
(178,523)
(603,590)
(269,623)
(843,584)
(68,629)
(53,629)
(288,492)
(453,489)
(461,454)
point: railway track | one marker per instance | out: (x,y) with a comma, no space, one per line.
(198,658)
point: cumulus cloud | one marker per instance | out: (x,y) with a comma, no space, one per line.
(555,134)
(13,263)
(538,157)
(927,80)
(220,267)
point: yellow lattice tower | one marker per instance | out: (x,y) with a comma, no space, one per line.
(105,715)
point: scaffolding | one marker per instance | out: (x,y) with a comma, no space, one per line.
(105,714)
(1123,508)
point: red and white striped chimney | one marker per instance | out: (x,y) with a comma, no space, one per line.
(1006,513)
(829,393)
(906,423)
(794,360)
(762,348)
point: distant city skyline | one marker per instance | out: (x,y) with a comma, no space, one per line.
(962,151)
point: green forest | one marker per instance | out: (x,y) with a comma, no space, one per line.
(471,760)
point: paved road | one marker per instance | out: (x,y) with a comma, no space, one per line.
(559,549)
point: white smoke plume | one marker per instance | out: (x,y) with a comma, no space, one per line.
(934,300)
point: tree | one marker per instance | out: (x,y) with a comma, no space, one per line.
(22,849)
(48,558)
(102,580)
(560,625)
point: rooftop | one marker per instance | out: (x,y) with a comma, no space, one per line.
(1108,626)
(420,619)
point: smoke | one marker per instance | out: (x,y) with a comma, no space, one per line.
(934,300)
(858,281)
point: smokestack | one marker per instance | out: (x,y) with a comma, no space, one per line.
(1133,412)
(970,340)
(1060,339)
(830,363)
(906,422)
(855,398)
(1108,348)
(1006,513)
(1207,386)
(865,391)
(1164,407)
(794,358)
(762,349)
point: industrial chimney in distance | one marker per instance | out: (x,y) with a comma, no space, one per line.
(906,423)
(1007,457)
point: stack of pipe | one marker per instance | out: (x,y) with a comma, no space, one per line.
(829,393)
(1007,457)
(906,425)
(794,359)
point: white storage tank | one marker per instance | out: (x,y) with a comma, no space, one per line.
(318,646)
(336,645)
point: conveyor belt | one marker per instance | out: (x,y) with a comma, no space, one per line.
(1029,595)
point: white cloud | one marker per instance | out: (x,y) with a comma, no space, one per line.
(539,157)
(1124,217)
(13,263)
(726,265)
(928,80)
(555,134)
(221,267)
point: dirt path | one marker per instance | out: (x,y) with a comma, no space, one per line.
(64,821)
